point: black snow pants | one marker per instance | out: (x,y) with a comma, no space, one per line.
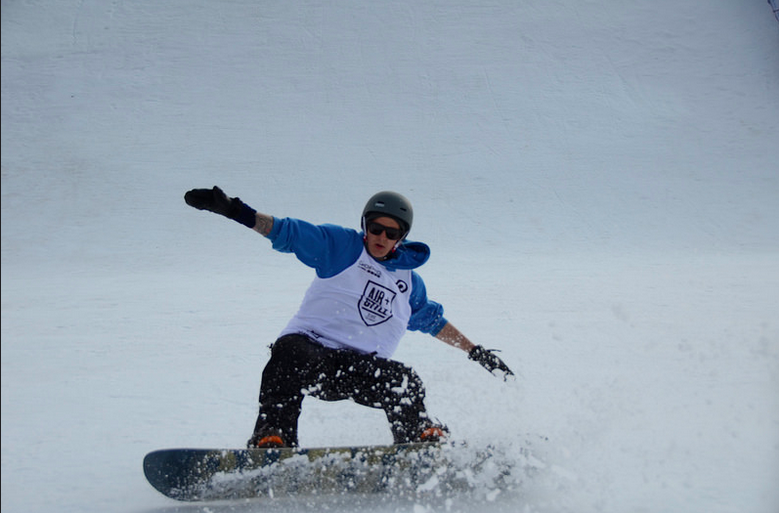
(299,367)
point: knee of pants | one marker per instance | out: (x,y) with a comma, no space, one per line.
(405,387)
(291,368)
(415,385)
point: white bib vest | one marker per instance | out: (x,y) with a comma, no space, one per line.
(365,307)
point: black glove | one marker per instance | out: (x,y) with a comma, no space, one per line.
(489,360)
(215,200)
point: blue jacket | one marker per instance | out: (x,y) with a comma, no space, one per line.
(331,249)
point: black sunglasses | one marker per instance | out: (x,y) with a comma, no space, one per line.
(392,233)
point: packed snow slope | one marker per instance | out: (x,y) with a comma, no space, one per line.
(598,181)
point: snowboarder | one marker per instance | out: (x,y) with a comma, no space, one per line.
(364,297)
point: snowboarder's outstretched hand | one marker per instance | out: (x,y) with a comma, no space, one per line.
(215,200)
(490,361)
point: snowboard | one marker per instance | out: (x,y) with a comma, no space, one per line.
(226,474)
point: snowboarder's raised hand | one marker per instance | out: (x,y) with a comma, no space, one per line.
(215,200)
(490,361)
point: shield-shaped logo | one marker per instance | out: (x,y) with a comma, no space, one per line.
(376,304)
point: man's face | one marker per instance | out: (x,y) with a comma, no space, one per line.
(379,246)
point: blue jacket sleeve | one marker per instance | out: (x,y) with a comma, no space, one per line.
(327,248)
(426,316)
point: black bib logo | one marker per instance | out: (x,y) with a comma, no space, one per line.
(376,304)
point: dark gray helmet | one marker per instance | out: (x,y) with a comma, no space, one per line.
(392,204)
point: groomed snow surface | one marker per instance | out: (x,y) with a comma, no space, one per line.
(598,181)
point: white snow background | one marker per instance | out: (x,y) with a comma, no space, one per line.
(598,181)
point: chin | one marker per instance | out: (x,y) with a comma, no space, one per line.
(379,255)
